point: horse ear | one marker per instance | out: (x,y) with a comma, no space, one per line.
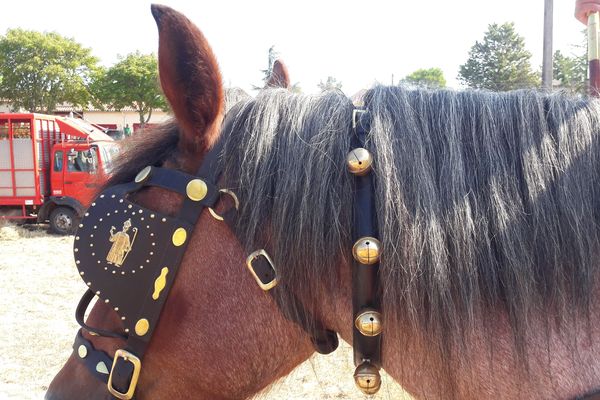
(280,78)
(190,79)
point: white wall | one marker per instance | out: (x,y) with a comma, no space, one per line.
(120,118)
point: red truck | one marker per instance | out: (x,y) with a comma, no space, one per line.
(51,168)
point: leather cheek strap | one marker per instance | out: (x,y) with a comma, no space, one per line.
(325,341)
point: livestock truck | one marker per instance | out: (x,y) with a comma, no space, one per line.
(50,168)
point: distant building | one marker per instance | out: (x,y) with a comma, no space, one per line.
(109,118)
(112,119)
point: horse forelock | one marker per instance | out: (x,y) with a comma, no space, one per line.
(485,201)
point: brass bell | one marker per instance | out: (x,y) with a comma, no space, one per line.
(369,323)
(367,378)
(367,250)
(359,161)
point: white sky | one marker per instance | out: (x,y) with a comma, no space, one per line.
(357,42)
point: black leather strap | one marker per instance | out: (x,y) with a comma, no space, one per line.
(365,278)
(92,358)
(80,316)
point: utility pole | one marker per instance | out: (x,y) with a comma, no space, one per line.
(547,56)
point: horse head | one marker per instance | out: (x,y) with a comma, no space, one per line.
(219,336)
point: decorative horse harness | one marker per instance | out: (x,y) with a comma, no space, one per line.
(132,266)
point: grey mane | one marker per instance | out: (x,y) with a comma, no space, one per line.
(484,200)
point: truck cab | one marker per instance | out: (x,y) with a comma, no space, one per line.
(79,169)
(77,172)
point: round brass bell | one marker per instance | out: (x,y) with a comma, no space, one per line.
(369,323)
(196,189)
(143,174)
(367,250)
(359,161)
(367,378)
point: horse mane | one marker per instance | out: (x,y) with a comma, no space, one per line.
(485,201)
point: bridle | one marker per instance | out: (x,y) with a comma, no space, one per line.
(135,279)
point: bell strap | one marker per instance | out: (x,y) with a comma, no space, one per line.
(366,302)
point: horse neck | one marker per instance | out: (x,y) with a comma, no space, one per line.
(562,362)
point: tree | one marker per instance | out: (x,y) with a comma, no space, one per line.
(131,82)
(330,84)
(430,77)
(571,71)
(40,70)
(273,55)
(500,62)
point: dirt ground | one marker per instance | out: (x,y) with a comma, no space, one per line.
(39,289)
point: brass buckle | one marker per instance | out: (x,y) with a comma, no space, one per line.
(137,366)
(355,114)
(236,203)
(254,255)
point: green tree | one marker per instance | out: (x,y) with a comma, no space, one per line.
(500,62)
(571,70)
(430,77)
(40,70)
(131,82)
(330,84)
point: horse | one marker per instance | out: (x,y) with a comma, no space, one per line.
(487,206)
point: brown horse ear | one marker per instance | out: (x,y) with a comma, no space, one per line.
(280,78)
(190,79)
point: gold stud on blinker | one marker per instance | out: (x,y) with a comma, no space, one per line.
(179,237)
(143,175)
(367,250)
(359,161)
(196,189)
(142,327)
(369,323)
(367,378)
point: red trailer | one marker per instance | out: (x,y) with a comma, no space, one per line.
(51,168)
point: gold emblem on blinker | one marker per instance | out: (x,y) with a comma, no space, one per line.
(121,244)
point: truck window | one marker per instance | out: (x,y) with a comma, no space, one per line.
(21,129)
(82,161)
(108,153)
(58,161)
(3,129)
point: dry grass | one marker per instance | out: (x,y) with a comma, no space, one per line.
(39,289)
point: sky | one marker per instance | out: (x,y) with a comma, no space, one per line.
(357,42)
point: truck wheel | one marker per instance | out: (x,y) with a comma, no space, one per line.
(62,220)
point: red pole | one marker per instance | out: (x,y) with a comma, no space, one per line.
(594,53)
